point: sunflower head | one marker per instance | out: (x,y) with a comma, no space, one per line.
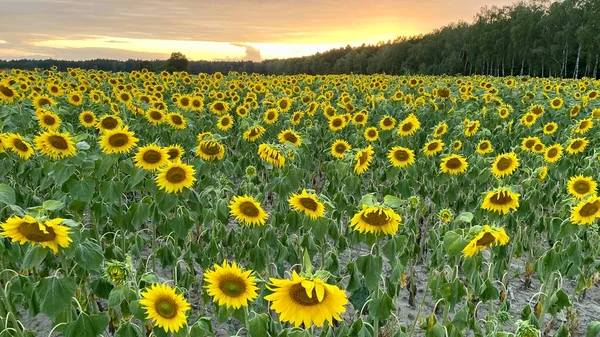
(271,155)
(445,215)
(163,305)
(210,150)
(18,145)
(454,164)
(151,157)
(87,118)
(49,233)
(580,186)
(174,176)
(307,203)
(55,144)
(48,120)
(501,200)
(175,152)
(254,133)
(119,140)
(376,220)
(433,147)
(371,134)
(176,120)
(363,159)
(248,211)
(290,137)
(505,164)
(577,145)
(553,153)
(484,237)
(586,211)
(401,156)
(231,286)
(109,122)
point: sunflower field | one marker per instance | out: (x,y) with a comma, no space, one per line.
(171,204)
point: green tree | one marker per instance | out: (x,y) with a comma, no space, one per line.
(177,62)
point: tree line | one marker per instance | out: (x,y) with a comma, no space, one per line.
(535,37)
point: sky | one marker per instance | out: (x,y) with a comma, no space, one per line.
(214,30)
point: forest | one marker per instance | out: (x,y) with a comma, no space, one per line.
(536,38)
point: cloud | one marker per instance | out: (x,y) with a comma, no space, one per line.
(252,54)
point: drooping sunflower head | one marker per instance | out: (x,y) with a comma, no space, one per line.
(119,140)
(175,152)
(48,120)
(55,144)
(586,211)
(109,122)
(271,155)
(484,147)
(454,164)
(307,203)
(306,301)
(387,123)
(176,120)
(248,211)
(339,148)
(151,157)
(290,137)
(18,145)
(254,133)
(505,164)
(501,200)
(376,220)
(577,145)
(537,110)
(445,215)
(363,159)
(580,186)
(49,233)
(117,271)
(401,156)
(163,305)
(230,286)
(174,176)
(553,153)
(542,173)
(433,147)
(210,150)
(371,134)
(483,238)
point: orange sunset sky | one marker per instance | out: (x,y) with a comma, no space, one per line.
(202,30)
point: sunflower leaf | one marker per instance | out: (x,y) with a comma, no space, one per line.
(55,294)
(7,195)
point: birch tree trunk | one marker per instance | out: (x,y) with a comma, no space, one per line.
(576,71)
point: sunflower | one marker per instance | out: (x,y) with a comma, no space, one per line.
(75,98)
(586,211)
(7,92)
(363,159)
(15,143)
(87,119)
(387,123)
(55,144)
(296,117)
(155,116)
(574,111)
(231,286)
(291,137)
(49,234)
(337,123)
(48,120)
(445,215)
(553,153)
(401,156)
(580,186)
(219,107)
(225,122)
(109,122)
(175,176)
(487,237)
(505,164)
(360,118)
(557,103)
(307,203)
(472,128)
(528,119)
(339,148)
(165,307)
(43,102)
(151,157)
(284,104)
(376,220)
(409,126)
(583,126)
(371,134)
(176,120)
(577,145)
(503,112)
(248,211)
(119,140)
(542,173)
(457,145)
(550,128)
(484,147)
(440,130)
(210,150)
(539,148)
(174,152)
(454,164)
(306,301)
(537,110)
(271,116)
(501,200)
(254,133)
(271,155)
(433,147)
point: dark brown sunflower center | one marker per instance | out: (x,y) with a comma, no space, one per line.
(58,142)
(472,127)
(336,122)
(88,118)
(21,146)
(43,101)
(176,120)
(53,89)
(486,239)
(502,198)
(33,232)
(359,118)
(309,203)
(589,209)
(439,130)
(173,154)
(6,91)
(185,101)
(249,209)
(298,295)
(109,123)
(388,122)
(376,219)
(75,98)
(576,144)
(340,148)
(176,175)
(552,153)
(453,163)
(290,137)
(537,110)
(152,156)
(253,133)
(271,115)
(219,106)
(581,187)
(210,148)
(283,104)
(232,285)
(196,103)
(372,133)
(225,121)
(407,127)
(529,118)
(166,307)
(432,146)
(530,143)
(504,164)
(483,146)
(49,120)
(156,115)
(538,147)
(363,158)
(118,140)
(583,125)
(401,155)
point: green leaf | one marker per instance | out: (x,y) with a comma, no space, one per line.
(34,256)
(489,292)
(454,243)
(55,294)
(202,328)
(593,329)
(464,217)
(558,301)
(381,306)
(393,202)
(128,329)
(370,267)
(89,255)
(53,205)
(367,200)
(7,195)
(82,190)
(258,325)
(87,325)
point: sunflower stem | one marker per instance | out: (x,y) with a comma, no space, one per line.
(9,313)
